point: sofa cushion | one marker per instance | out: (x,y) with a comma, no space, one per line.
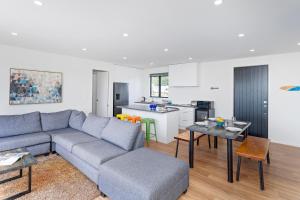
(140,140)
(144,174)
(121,133)
(25,140)
(56,120)
(61,131)
(94,125)
(97,152)
(20,124)
(70,138)
(77,119)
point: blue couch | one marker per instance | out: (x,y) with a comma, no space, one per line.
(108,151)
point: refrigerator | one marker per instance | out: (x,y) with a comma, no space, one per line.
(121,97)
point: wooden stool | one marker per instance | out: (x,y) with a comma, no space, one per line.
(254,148)
(186,137)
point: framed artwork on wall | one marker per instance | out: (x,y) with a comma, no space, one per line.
(291,88)
(34,87)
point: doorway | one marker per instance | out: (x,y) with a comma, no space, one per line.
(251,98)
(100,93)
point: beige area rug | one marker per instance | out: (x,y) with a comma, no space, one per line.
(52,178)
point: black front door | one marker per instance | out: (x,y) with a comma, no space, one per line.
(251,98)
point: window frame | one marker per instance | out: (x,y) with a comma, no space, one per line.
(159,75)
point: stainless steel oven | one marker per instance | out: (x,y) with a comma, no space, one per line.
(204,110)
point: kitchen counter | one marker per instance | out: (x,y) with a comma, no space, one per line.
(147,109)
(175,105)
(166,121)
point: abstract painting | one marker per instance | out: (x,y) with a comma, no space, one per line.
(34,87)
(290,88)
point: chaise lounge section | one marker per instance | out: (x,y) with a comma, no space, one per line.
(110,152)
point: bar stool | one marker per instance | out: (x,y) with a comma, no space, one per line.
(254,148)
(186,138)
(123,117)
(134,119)
(148,122)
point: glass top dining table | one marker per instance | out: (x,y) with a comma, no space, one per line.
(212,129)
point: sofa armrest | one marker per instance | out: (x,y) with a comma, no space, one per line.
(140,140)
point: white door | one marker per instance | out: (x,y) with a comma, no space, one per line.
(102,91)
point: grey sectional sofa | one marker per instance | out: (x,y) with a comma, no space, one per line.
(108,151)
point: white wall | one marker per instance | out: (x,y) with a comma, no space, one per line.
(284,106)
(77,79)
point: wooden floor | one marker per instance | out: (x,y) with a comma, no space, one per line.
(208,179)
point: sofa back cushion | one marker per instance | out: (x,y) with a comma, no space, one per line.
(77,119)
(94,125)
(121,133)
(56,120)
(20,124)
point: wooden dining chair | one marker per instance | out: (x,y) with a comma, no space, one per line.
(186,138)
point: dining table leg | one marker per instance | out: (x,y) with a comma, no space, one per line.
(215,142)
(229,161)
(191,149)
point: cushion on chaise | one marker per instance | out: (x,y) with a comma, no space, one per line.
(69,139)
(94,125)
(121,133)
(144,174)
(97,152)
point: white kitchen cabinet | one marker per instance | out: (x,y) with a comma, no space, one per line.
(186,116)
(184,75)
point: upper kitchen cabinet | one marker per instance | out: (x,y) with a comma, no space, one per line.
(184,75)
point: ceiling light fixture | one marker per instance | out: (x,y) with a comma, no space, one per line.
(166,50)
(190,58)
(298,44)
(218,2)
(38,3)
(241,35)
(151,63)
(125,34)
(14,33)
(84,49)
(252,50)
(124,58)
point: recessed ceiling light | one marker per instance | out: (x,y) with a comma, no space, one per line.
(218,2)
(84,49)
(14,33)
(190,58)
(241,35)
(38,3)
(152,63)
(125,34)
(166,50)
(298,43)
(252,50)
(124,58)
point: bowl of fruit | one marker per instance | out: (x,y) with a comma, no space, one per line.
(220,121)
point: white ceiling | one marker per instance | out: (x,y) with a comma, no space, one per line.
(188,28)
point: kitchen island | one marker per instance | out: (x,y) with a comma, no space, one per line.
(166,120)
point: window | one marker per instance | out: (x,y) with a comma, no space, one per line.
(159,85)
